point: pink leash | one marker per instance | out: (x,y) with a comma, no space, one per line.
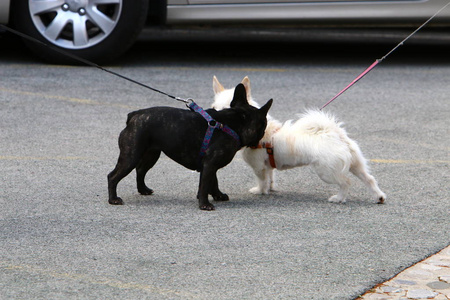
(353,82)
(381,59)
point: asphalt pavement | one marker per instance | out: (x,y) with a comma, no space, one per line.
(60,239)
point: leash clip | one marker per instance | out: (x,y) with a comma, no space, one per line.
(186,101)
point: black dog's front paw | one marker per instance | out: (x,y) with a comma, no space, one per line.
(221,197)
(145,191)
(207,206)
(116,201)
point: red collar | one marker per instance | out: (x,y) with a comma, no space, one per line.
(269,148)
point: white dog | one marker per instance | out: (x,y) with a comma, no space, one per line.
(315,139)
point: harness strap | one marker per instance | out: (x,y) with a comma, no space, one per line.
(269,149)
(212,124)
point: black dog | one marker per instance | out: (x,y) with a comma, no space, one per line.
(179,133)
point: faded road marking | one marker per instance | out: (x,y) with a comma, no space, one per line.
(116,69)
(270,70)
(11,157)
(408,143)
(64,98)
(98,280)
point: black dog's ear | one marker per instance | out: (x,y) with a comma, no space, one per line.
(240,96)
(265,108)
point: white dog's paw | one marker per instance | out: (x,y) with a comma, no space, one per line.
(336,199)
(381,198)
(273,188)
(258,191)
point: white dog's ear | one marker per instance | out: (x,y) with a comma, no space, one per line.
(246,83)
(217,86)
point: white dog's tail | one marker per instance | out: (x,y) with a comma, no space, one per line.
(321,140)
(318,122)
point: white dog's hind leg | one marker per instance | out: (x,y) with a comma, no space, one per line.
(359,169)
(263,182)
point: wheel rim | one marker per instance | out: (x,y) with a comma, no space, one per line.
(75,24)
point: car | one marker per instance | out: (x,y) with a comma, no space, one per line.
(102,30)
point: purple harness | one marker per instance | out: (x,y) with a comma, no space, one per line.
(212,124)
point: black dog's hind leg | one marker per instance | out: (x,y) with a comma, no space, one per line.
(130,155)
(215,192)
(147,162)
(122,169)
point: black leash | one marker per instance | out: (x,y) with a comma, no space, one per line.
(89,63)
(212,124)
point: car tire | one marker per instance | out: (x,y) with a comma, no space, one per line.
(98,31)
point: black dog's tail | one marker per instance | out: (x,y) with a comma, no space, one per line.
(130,116)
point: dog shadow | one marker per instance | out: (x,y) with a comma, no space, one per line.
(294,200)
(274,199)
(158,200)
